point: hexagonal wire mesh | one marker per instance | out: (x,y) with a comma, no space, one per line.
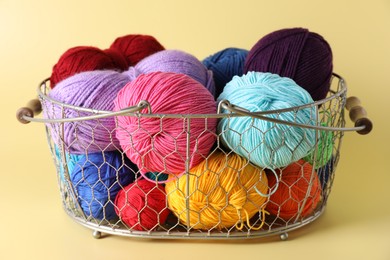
(91,200)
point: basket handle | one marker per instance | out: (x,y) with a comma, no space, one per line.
(26,114)
(32,108)
(358,115)
(363,125)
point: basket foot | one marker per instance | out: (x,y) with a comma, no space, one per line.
(97,234)
(284,236)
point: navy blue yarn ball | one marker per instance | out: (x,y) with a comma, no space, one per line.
(225,64)
(97,178)
(325,172)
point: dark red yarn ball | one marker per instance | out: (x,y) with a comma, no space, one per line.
(297,53)
(142,205)
(124,52)
(135,47)
(85,58)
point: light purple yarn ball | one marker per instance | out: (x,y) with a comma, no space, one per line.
(92,89)
(177,62)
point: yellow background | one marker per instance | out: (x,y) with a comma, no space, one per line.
(33,34)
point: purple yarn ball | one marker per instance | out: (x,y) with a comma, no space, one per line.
(92,89)
(177,62)
(296,53)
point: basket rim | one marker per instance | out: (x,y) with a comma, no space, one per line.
(43,91)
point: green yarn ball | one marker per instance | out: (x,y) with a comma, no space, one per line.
(324,149)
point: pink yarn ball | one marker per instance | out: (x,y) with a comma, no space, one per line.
(158,144)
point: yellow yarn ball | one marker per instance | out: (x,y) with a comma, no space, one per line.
(223,191)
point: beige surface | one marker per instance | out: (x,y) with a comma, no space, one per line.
(356,224)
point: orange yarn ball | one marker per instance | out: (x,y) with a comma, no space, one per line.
(292,193)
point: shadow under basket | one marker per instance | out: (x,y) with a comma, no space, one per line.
(249,218)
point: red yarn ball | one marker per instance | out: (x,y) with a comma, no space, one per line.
(142,205)
(293,187)
(85,58)
(135,47)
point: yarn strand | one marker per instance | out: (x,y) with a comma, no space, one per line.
(248,224)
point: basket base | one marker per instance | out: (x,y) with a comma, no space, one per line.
(283,231)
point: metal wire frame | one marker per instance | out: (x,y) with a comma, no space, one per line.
(178,230)
(235,109)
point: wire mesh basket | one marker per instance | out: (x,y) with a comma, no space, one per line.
(190,221)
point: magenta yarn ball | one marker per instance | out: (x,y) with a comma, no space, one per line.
(158,143)
(296,53)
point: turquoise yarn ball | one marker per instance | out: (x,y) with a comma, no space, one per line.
(264,143)
(158,177)
(71,160)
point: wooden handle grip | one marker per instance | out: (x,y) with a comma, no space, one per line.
(358,115)
(32,109)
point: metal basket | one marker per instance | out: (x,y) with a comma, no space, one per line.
(329,117)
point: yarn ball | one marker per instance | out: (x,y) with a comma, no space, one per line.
(158,177)
(296,53)
(292,194)
(175,61)
(92,89)
(85,58)
(264,143)
(323,150)
(222,191)
(159,143)
(135,47)
(65,163)
(142,205)
(325,173)
(97,178)
(225,64)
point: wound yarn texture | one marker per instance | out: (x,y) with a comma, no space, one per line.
(296,53)
(175,61)
(298,192)
(135,47)
(223,191)
(142,205)
(225,64)
(97,178)
(94,90)
(159,144)
(265,143)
